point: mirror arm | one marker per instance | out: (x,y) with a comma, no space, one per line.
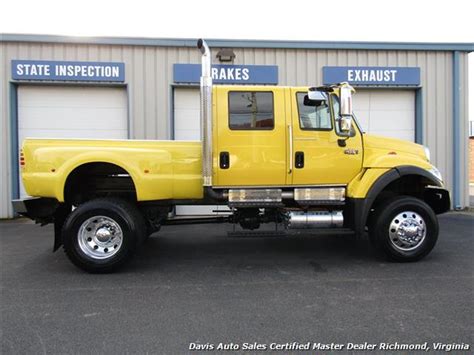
(341,142)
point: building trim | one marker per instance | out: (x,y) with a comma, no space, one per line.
(171,112)
(239,43)
(130,128)
(457,141)
(419,138)
(15,173)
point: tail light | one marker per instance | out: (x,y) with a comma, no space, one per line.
(22,159)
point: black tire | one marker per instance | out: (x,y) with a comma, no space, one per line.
(391,219)
(117,217)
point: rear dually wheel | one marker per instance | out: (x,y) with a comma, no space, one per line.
(102,234)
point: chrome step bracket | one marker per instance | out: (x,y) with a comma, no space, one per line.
(255,197)
(320,195)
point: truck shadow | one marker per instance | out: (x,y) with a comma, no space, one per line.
(210,247)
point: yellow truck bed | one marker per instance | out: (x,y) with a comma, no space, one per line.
(159,169)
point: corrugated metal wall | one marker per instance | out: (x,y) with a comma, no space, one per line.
(149,76)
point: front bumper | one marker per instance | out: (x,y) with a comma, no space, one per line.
(438,198)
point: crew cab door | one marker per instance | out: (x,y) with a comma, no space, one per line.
(250,136)
(318,157)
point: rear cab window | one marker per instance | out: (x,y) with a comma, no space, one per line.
(251,110)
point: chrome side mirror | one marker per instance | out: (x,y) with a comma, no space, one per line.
(315,95)
(345,122)
(346,100)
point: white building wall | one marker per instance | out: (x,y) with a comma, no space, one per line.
(149,75)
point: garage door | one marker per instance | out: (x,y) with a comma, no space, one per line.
(389,113)
(187,127)
(71,112)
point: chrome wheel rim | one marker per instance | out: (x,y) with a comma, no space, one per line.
(407,231)
(100,237)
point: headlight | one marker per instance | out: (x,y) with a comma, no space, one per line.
(434,170)
(427,153)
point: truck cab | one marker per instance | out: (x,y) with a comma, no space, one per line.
(294,157)
(277,136)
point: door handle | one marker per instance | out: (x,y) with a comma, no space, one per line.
(299,160)
(224,160)
(290,148)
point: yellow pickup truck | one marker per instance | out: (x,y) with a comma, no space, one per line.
(290,156)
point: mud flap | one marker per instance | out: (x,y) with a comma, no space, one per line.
(60,216)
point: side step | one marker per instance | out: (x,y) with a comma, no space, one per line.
(291,233)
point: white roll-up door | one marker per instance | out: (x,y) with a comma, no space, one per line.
(386,112)
(187,124)
(71,112)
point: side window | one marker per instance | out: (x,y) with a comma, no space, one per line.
(251,110)
(314,115)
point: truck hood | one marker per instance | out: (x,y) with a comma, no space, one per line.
(385,145)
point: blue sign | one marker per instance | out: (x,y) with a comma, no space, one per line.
(228,74)
(67,71)
(391,76)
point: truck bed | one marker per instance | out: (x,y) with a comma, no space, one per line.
(159,169)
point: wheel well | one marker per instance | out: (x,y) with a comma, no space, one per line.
(407,185)
(93,180)
(410,185)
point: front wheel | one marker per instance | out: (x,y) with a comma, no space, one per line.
(102,234)
(405,229)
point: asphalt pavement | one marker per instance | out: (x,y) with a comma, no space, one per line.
(193,285)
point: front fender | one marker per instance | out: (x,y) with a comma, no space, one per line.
(364,189)
(377,158)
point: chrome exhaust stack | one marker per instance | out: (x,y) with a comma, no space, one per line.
(206,112)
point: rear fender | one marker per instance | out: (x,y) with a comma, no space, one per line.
(88,158)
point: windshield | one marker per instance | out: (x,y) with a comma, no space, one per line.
(356,120)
